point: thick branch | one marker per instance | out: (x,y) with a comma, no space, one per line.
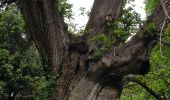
(133,57)
(101,9)
(46,26)
(97,22)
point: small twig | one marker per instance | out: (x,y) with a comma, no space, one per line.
(114,52)
(165,10)
(160,38)
(130,85)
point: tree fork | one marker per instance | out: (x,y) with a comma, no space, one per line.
(82,78)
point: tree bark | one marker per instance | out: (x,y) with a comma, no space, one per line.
(46,26)
(83,78)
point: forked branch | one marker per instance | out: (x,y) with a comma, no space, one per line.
(128,59)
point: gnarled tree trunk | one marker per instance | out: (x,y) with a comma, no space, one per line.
(83,78)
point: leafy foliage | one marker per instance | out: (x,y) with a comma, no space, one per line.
(120,29)
(65,9)
(149,30)
(157,79)
(150,6)
(167,30)
(21,71)
(103,45)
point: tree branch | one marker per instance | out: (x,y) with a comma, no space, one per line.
(101,9)
(164,9)
(97,22)
(132,78)
(160,38)
(129,86)
(46,26)
(130,58)
(153,93)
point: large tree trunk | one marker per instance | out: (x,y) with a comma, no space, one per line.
(83,78)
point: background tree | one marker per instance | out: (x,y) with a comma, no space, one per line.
(22,75)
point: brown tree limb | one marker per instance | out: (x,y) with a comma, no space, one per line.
(46,26)
(101,9)
(97,22)
(131,56)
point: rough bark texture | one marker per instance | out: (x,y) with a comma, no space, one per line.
(83,78)
(97,21)
(47,29)
(101,9)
